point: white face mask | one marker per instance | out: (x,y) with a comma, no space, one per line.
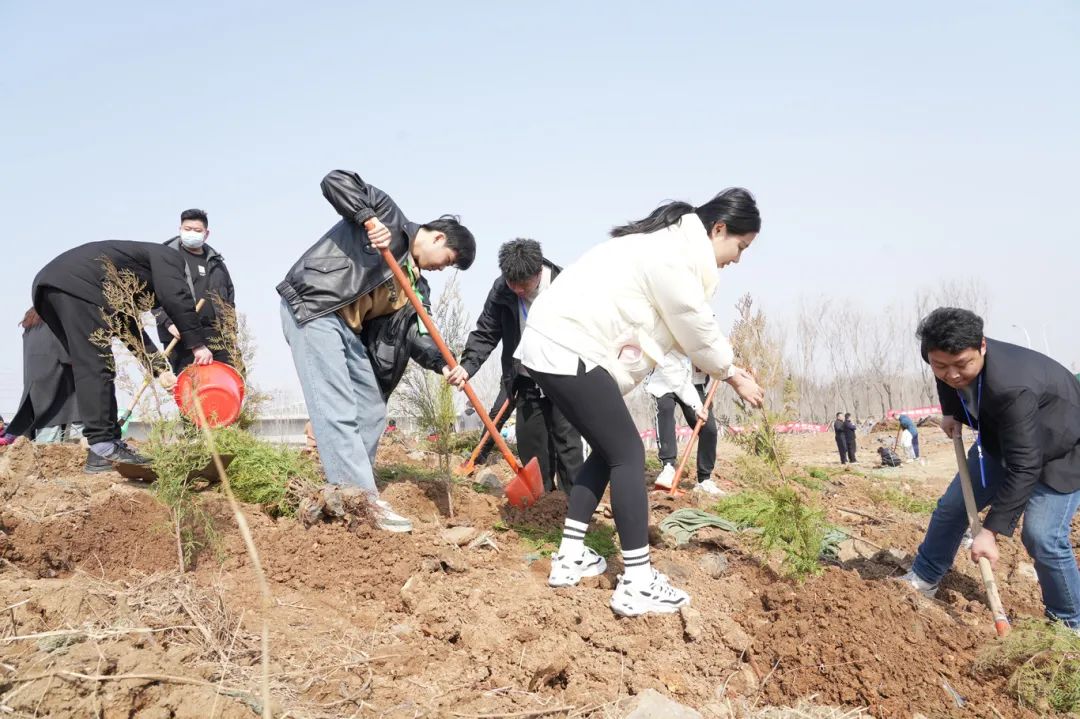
(191,239)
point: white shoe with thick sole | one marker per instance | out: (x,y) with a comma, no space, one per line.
(709,487)
(666,476)
(632,599)
(568,572)
(921,586)
(389,520)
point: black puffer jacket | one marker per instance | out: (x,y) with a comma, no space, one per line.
(342,265)
(218,282)
(80,272)
(391,340)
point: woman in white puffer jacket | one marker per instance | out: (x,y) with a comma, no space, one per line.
(598,332)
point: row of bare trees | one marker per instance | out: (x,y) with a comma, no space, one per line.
(830,356)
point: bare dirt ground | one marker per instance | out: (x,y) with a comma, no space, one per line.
(97,621)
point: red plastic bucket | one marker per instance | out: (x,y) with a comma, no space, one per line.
(220,389)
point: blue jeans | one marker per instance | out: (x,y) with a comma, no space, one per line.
(347,411)
(1047,519)
(59,433)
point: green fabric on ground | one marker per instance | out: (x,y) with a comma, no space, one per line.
(683,523)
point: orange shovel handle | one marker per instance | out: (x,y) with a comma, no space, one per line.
(484,438)
(693,438)
(451,361)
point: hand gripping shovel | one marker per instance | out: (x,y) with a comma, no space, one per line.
(1001,621)
(693,438)
(528,485)
(469,467)
(150,376)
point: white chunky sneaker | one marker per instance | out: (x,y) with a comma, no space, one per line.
(709,487)
(389,520)
(658,596)
(568,572)
(921,586)
(666,476)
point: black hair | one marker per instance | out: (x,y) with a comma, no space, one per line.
(520,259)
(458,239)
(195,214)
(847,416)
(735,207)
(951,330)
(838,414)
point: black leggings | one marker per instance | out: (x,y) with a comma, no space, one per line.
(593,404)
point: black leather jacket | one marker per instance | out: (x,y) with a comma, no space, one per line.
(391,340)
(342,265)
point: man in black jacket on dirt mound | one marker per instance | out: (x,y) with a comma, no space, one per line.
(69,295)
(1025,410)
(542,430)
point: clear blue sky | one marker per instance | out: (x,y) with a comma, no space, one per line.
(890,145)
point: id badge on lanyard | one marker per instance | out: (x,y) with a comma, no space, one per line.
(978,431)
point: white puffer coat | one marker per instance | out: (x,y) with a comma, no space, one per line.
(629,301)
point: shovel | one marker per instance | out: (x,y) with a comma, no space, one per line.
(693,438)
(528,485)
(1001,621)
(469,467)
(150,376)
(144,473)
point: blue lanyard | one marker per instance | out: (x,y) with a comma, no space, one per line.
(978,433)
(524,309)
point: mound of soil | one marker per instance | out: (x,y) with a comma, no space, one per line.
(875,644)
(370,623)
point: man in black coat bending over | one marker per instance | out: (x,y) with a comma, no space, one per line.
(540,425)
(1025,410)
(68,294)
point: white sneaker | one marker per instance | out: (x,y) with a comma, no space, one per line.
(388,519)
(658,596)
(666,476)
(921,586)
(566,572)
(709,487)
(968,540)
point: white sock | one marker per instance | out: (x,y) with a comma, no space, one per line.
(572,546)
(636,565)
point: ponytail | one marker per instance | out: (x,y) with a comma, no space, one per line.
(663,216)
(735,207)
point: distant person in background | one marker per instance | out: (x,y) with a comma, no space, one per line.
(841,437)
(469,421)
(208,278)
(907,425)
(849,437)
(5,438)
(48,412)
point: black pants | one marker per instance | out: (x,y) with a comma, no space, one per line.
(545,433)
(489,444)
(73,321)
(850,442)
(591,401)
(669,444)
(841,446)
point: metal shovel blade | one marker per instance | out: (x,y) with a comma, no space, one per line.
(527,486)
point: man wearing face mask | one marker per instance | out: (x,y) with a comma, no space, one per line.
(542,430)
(207,277)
